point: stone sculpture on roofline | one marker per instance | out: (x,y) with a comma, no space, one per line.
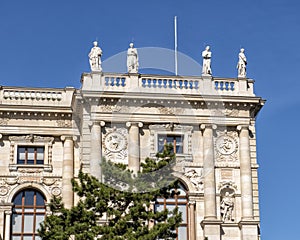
(133,60)
(95,58)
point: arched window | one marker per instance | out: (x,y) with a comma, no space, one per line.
(179,200)
(28,212)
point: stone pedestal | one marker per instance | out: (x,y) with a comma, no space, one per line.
(68,170)
(96,149)
(212,229)
(249,230)
(134,146)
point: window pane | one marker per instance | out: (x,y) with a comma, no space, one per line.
(29,198)
(16,223)
(18,199)
(40,210)
(39,219)
(159,208)
(16,238)
(182,209)
(21,155)
(27,238)
(30,153)
(37,238)
(161,143)
(39,199)
(40,155)
(28,223)
(170,208)
(29,210)
(182,233)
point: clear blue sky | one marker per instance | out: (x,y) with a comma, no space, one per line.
(45,43)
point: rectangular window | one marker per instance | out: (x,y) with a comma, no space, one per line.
(175,140)
(30,155)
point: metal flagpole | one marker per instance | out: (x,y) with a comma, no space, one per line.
(175,35)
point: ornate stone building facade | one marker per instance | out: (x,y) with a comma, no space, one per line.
(47,134)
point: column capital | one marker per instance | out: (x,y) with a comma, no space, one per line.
(8,212)
(212,126)
(241,127)
(192,202)
(68,137)
(138,124)
(97,122)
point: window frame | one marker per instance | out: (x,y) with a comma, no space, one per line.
(26,153)
(174,201)
(165,129)
(23,210)
(30,141)
(173,142)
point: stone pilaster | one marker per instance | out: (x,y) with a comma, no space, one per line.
(7,222)
(210,211)
(134,146)
(96,149)
(68,170)
(246,176)
(192,226)
(211,225)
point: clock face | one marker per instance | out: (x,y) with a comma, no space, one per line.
(115,142)
(226,145)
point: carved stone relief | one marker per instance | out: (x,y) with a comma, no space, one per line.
(196,178)
(226,146)
(115,145)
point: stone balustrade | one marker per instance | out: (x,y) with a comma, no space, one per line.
(35,96)
(202,85)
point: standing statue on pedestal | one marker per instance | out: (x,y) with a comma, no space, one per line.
(95,57)
(227,207)
(241,66)
(206,68)
(132,59)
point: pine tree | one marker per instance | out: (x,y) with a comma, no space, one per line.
(123,200)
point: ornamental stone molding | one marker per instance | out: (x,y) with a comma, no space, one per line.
(4,121)
(170,110)
(114,145)
(53,185)
(67,123)
(226,146)
(113,108)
